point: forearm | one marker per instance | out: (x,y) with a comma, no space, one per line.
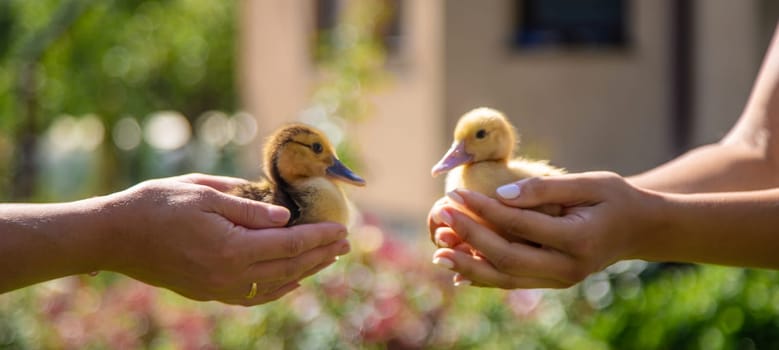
(720,167)
(738,229)
(39,242)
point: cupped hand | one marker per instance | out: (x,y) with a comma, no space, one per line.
(185,234)
(504,244)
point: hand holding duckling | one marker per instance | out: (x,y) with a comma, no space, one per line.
(182,233)
(480,160)
(302,173)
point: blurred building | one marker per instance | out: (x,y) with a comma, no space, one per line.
(618,85)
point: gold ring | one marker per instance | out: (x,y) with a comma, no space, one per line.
(253,291)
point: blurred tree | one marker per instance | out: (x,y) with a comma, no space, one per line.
(26,133)
(111,58)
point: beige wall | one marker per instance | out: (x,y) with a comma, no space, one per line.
(274,66)
(398,142)
(727,58)
(610,109)
(585,109)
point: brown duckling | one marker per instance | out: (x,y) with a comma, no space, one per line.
(302,173)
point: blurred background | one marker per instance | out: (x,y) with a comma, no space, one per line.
(96,96)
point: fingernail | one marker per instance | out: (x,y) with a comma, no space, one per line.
(462,283)
(436,220)
(441,243)
(443,262)
(278,215)
(443,217)
(509,191)
(455,197)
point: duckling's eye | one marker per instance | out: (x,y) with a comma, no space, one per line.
(481,134)
(316,147)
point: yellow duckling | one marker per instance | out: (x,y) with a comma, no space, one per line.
(302,173)
(480,156)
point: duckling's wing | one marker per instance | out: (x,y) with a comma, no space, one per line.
(260,191)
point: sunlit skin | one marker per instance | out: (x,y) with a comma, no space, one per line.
(302,173)
(716,204)
(182,233)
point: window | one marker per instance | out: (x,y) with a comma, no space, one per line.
(570,23)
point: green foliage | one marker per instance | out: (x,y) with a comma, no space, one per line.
(125,57)
(111,59)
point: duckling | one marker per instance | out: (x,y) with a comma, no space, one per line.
(479,158)
(302,173)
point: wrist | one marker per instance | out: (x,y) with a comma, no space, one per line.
(117,221)
(97,239)
(650,241)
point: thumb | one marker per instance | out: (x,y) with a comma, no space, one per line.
(249,213)
(565,190)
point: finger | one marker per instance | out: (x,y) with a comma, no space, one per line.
(219,183)
(475,271)
(286,242)
(516,224)
(514,258)
(318,268)
(567,190)
(295,268)
(246,212)
(433,219)
(445,237)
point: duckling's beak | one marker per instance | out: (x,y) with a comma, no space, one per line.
(454,157)
(339,171)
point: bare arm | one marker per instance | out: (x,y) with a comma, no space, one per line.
(746,159)
(45,241)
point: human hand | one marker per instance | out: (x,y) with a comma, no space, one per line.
(604,220)
(185,234)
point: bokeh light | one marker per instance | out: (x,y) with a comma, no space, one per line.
(127,134)
(69,134)
(167,130)
(244,127)
(215,129)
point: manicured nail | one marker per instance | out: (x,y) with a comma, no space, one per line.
(441,243)
(509,191)
(443,262)
(462,283)
(443,217)
(455,197)
(278,215)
